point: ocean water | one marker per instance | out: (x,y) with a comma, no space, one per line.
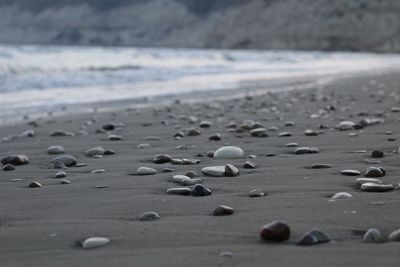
(38,78)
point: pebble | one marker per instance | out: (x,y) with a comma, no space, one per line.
(8,167)
(60,174)
(67,160)
(183,191)
(59,133)
(306,150)
(341,195)
(108,127)
(146,171)
(194,131)
(259,132)
(314,237)
(361,181)
(309,132)
(285,134)
(292,145)
(395,236)
(35,184)
(374,172)
(94,242)
(350,172)
(321,166)
(162,158)
(179,135)
(191,174)
(95,151)
(374,236)
(205,124)
(168,170)
(222,210)
(229,152)
(345,126)
(258,192)
(55,150)
(215,137)
(98,171)
(15,160)
(249,165)
(144,146)
(231,171)
(59,165)
(377,154)
(276,231)
(216,171)
(182,179)
(109,151)
(65,181)
(114,137)
(149,216)
(373,187)
(200,190)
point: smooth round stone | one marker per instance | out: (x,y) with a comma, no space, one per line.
(94,242)
(177,162)
(285,134)
(372,187)
(15,160)
(302,150)
(231,170)
(215,137)
(395,236)
(67,160)
(60,174)
(168,170)
(210,154)
(361,181)
(216,171)
(182,191)
(273,129)
(146,171)
(149,216)
(144,146)
(194,132)
(35,184)
(191,174)
(229,152)
(78,165)
(377,154)
(249,165)
(109,152)
(259,132)
(59,165)
(258,192)
(205,124)
(314,150)
(8,167)
(108,127)
(374,236)
(309,132)
(95,151)
(114,137)
(65,181)
(345,125)
(181,179)
(276,231)
(162,158)
(222,210)
(98,171)
(59,133)
(28,133)
(55,150)
(200,191)
(374,172)
(179,135)
(341,195)
(292,145)
(314,237)
(289,123)
(350,172)
(321,166)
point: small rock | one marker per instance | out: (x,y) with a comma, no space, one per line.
(8,167)
(374,236)
(168,170)
(200,190)
(222,210)
(302,150)
(395,236)
(144,146)
(292,145)
(231,170)
(345,126)
(215,137)
(94,242)
(276,231)
(59,165)
(229,152)
(108,127)
(258,192)
(35,184)
(162,158)
(146,171)
(95,151)
(373,187)
(67,160)
(191,174)
(183,191)
(361,181)
(114,137)
(98,171)
(249,165)
(149,216)
(55,150)
(374,172)
(194,132)
(15,160)
(285,134)
(205,124)
(350,172)
(259,132)
(60,174)
(341,195)
(314,237)
(309,132)
(59,133)
(377,154)
(65,181)
(108,152)
(321,166)
(216,171)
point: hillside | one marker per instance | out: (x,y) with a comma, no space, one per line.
(356,25)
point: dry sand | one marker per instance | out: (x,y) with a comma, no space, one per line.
(40,226)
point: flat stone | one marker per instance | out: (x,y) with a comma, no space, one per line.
(114,137)
(321,166)
(144,146)
(374,236)
(302,150)
(205,124)
(168,170)
(200,191)
(309,132)
(222,210)
(15,160)
(67,160)
(373,187)
(181,179)
(395,236)
(59,133)
(258,192)
(341,195)
(361,181)
(215,137)
(60,174)
(8,167)
(98,171)
(346,125)
(350,172)
(285,134)
(229,152)
(183,191)
(259,132)
(314,237)
(231,170)
(94,242)
(292,145)
(162,158)
(191,174)
(55,150)
(276,231)
(249,165)
(95,151)
(216,171)
(65,181)
(35,184)
(194,132)
(146,171)
(149,216)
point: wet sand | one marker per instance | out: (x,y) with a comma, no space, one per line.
(41,226)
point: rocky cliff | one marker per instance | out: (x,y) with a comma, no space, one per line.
(356,25)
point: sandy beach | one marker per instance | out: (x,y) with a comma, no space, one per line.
(106,197)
